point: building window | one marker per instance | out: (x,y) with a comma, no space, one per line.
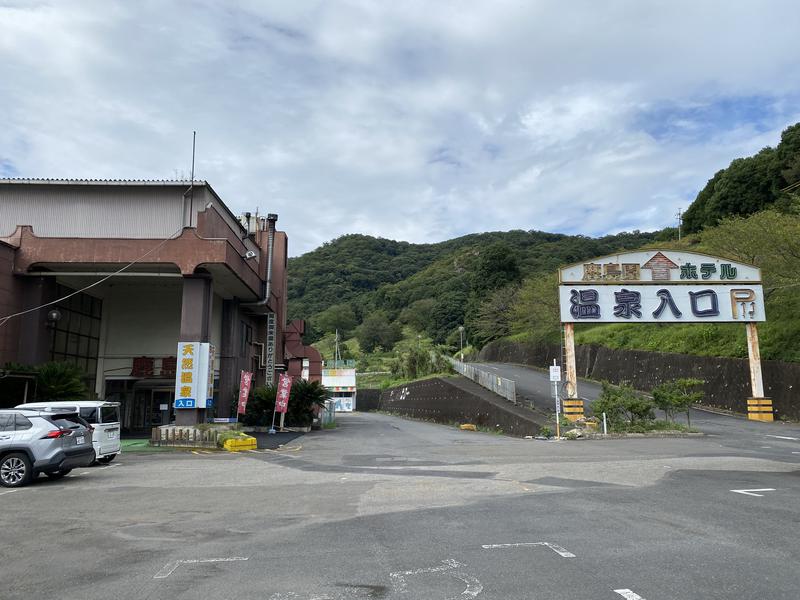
(76,334)
(247,339)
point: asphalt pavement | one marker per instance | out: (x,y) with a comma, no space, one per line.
(382,507)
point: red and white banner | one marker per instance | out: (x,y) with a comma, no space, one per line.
(244,391)
(282,397)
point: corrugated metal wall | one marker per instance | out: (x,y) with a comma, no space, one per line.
(93,211)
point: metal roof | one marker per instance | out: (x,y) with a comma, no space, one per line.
(156,182)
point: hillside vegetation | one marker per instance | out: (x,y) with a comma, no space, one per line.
(379,292)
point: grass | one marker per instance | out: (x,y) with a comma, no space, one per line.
(332,425)
(651,426)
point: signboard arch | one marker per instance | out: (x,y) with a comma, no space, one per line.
(664,286)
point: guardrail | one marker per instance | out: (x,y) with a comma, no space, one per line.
(499,385)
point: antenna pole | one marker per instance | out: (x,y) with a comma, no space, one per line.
(191,183)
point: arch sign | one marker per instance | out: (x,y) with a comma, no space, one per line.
(665,286)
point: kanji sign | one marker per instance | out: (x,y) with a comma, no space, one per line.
(244,391)
(661,286)
(194,375)
(282,397)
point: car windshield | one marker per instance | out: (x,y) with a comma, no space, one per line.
(68,421)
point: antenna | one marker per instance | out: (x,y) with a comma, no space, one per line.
(680,223)
(191,183)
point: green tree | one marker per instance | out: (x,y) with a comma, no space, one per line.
(378,332)
(447,315)
(419,314)
(304,398)
(339,317)
(497,267)
(60,381)
(536,311)
(495,316)
(623,405)
(260,406)
(677,396)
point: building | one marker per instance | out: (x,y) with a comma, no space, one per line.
(340,381)
(159,262)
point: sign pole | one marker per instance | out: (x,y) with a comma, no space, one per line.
(272,427)
(569,359)
(754,355)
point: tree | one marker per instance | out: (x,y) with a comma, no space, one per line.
(447,314)
(497,267)
(260,406)
(339,317)
(536,310)
(677,396)
(495,316)
(304,398)
(60,381)
(378,332)
(622,404)
(418,315)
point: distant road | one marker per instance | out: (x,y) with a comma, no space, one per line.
(774,440)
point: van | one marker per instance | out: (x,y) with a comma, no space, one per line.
(103,416)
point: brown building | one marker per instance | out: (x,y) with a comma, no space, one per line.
(158,262)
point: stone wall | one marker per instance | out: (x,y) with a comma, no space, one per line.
(727,379)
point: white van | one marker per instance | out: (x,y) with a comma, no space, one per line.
(102,415)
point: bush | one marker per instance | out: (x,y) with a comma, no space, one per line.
(260,407)
(60,381)
(229,435)
(304,398)
(677,396)
(545,431)
(622,404)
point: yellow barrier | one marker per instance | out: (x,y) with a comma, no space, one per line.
(239,444)
(573,409)
(759,409)
(468,427)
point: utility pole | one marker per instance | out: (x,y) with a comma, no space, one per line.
(680,223)
(461,341)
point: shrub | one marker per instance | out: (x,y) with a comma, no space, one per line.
(304,398)
(677,396)
(622,404)
(60,381)
(260,407)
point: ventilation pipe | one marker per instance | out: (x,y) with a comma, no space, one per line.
(271,220)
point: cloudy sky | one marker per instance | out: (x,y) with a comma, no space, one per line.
(412,120)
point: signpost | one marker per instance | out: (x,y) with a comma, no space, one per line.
(555,379)
(664,286)
(194,375)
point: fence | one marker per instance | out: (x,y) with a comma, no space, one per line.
(190,437)
(499,385)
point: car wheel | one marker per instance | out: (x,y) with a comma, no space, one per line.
(15,470)
(106,459)
(58,474)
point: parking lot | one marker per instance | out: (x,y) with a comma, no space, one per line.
(388,508)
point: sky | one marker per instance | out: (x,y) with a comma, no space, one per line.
(413,120)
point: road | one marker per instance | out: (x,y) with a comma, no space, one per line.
(388,508)
(767,440)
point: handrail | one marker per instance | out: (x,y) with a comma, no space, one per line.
(501,386)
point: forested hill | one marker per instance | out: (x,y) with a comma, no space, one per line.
(430,286)
(750,184)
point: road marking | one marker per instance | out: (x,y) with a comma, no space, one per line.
(169,568)
(557,549)
(750,492)
(8,492)
(795,452)
(474,586)
(628,594)
(783,437)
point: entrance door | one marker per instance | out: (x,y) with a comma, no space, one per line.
(162,398)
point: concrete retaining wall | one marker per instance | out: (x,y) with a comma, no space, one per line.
(457,400)
(727,379)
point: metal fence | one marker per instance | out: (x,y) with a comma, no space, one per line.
(499,385)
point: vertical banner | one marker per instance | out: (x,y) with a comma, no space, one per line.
(270,349)
(282,397)
(244,391)
(194,375)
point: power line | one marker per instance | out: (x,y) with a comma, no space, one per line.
(5,319)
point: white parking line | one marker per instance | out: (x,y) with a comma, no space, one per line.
(628,594)
(8,492)
(557,549)
(750,492)
(169,568)
(783,437)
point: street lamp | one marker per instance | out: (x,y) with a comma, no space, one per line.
(461,341)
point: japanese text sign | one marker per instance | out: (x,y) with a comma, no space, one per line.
(244,391)
(194,375)
(282,396)
(658,286)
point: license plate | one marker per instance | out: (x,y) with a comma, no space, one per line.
(112,435)
(79,440)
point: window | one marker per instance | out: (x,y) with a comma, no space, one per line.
(247,339)
(22,423)
(109,414)
(90,414)
(76,335)
(7,422)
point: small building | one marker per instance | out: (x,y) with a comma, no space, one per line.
(341,384)
(112,275)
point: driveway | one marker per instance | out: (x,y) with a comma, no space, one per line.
(382,507)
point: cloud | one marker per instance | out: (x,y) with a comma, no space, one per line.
(410,120)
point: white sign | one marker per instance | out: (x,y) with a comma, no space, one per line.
(555,373)
(163,407)
(678,303)
(194,375)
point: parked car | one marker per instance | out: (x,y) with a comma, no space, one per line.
(101,415)
(34,442)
